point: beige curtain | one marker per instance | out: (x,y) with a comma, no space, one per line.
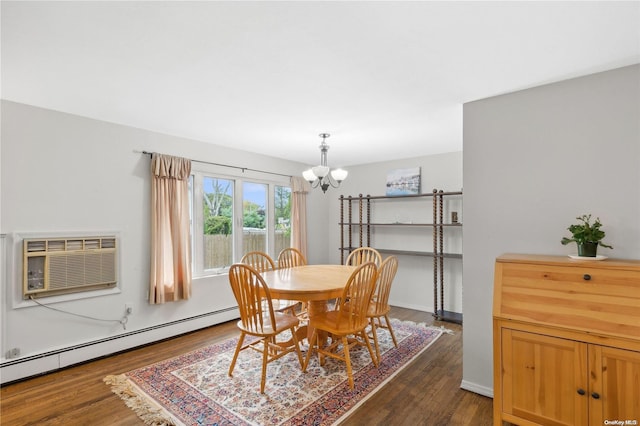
(170,277)
(299,189)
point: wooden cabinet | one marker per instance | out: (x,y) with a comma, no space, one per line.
(357,224)
(566,341)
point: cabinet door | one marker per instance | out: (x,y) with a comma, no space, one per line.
(543,378)
(615,385)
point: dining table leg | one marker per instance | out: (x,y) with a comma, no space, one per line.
(316,307)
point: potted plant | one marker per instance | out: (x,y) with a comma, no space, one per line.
(588,236)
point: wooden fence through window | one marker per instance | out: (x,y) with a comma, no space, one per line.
(218,249)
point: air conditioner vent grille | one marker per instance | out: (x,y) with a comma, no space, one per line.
(33,246)
(56,245)
(108,243)
(92,244)
(75,244)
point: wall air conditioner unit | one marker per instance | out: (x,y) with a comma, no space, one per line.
(68,265)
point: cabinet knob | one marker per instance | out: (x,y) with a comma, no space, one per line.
(586,277)
(581,392)
(595,395)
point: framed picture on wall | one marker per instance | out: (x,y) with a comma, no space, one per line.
(403,181)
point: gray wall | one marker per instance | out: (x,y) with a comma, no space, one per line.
(533,161)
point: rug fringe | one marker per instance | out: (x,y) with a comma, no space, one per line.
(442,328)
(149,413)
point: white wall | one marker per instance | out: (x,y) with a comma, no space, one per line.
(68,174)
(533,161)
(413,286)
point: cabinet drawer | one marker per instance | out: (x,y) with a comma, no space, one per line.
(618,281)
(586,298)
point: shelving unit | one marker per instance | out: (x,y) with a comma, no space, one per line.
(364,225)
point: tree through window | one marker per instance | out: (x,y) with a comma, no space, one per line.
(218,223)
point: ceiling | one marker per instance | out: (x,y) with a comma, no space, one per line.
(387,80)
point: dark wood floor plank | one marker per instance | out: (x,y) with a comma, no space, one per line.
(426,392)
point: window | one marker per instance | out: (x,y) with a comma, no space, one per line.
(233,215)
(217,203)
(282,215)
(254,215)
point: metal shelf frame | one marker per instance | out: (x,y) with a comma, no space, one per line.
(363,226)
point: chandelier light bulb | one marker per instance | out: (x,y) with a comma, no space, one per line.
(339,174)
(320,171)
(309,175)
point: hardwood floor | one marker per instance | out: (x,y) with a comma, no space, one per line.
(427,392)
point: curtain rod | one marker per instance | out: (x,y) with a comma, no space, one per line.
(227,165)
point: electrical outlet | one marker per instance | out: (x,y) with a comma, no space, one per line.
(128,308)
(13,353)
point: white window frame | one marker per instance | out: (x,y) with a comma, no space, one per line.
(201,170)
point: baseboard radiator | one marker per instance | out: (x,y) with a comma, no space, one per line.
(29,366)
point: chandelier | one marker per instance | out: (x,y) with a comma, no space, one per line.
(321,175)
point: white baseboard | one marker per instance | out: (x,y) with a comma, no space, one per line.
(476,388)
(422,308)
(21,368)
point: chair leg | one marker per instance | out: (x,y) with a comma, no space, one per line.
(297,343)
(374,333)
(235,355)
(363,333)
(265,357)
(347,360)
(393,336)
(314,337)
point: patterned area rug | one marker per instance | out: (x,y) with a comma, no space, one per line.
(194,389)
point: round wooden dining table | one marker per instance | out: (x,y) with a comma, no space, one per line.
(315,284)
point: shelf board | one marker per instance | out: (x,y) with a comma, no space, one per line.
(448,316)
(395,197)
(451,255)
(412,253)
(407,252)
(431,225)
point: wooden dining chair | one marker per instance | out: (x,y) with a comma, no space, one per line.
(379,305)
(363,255)
(259,319)
(261,261)
(348,319)
(290,258)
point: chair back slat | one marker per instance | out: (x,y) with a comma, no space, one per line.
(363,255)
(260,261)
(252,295)
(290,258)
(386,274)
(356,297)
